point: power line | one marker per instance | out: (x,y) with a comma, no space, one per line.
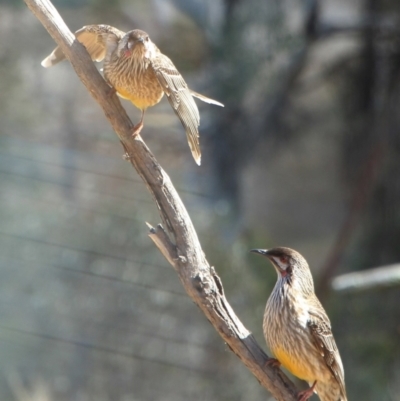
(99,348)
(70,166)
(72,205)
(142,333)
(98,275)
(113,326)
(34,176)
(76,249)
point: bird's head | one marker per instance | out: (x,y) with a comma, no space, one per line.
(289,264)
(137,44)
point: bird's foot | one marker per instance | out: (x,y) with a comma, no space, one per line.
(306,394)
(273,363)
(137,129)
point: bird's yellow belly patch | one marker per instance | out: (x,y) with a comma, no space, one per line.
(295,366)
(141,102)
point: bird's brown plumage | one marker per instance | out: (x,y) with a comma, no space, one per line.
(297,328)
(139,72)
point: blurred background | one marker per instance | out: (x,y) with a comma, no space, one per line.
(305,154)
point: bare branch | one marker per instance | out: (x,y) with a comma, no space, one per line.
(371,279)
(359,201)
(163,243)
(199,279)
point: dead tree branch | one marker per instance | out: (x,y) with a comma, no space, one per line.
(368,280)
(358,203)
(185,254)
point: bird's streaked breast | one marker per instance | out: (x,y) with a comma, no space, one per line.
(134,80)
(287,336)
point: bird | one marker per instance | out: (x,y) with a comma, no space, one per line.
(136,70)
(297,329)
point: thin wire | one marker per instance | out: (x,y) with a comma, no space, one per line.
(85,251)
(100,348)
(71,186)
(104,349)
(78,205)
(97,275)
(139,332)
(71,205)
(113,176)
(113,326)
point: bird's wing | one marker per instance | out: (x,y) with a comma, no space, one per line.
(180,98)
(321,332)
(93,37)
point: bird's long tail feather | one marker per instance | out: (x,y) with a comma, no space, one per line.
(205,98)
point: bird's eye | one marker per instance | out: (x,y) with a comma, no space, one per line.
(146,39)
(283,259)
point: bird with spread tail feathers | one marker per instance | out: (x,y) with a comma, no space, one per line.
(136,69)
(297,329)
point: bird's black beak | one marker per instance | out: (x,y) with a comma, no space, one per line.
(269,253)
(263,252)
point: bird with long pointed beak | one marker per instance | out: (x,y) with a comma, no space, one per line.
(137,70)
(297,329)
